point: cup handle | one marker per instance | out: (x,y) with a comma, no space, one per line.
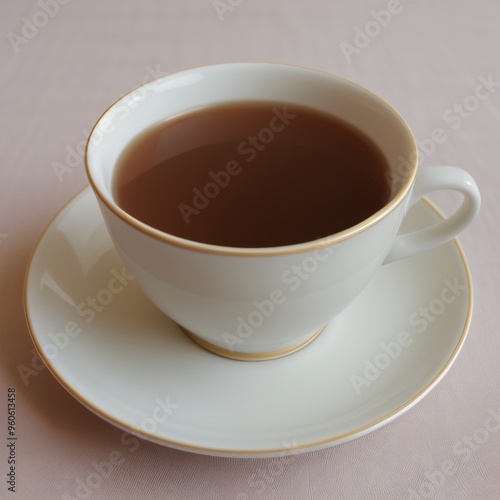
(430,179)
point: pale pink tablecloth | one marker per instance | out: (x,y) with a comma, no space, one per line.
(63,62)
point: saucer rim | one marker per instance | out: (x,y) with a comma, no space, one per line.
(268,452)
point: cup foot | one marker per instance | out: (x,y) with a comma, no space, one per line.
(251,356)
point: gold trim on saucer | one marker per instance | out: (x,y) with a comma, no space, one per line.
(250,356)
(188,445)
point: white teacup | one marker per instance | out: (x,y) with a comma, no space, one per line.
(262,303)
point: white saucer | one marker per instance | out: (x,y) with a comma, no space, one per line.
(134,367)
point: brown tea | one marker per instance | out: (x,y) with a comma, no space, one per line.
(252,174)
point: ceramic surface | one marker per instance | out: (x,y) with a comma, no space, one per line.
(116,353)
(289,292)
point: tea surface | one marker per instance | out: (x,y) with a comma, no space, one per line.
(252,174)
